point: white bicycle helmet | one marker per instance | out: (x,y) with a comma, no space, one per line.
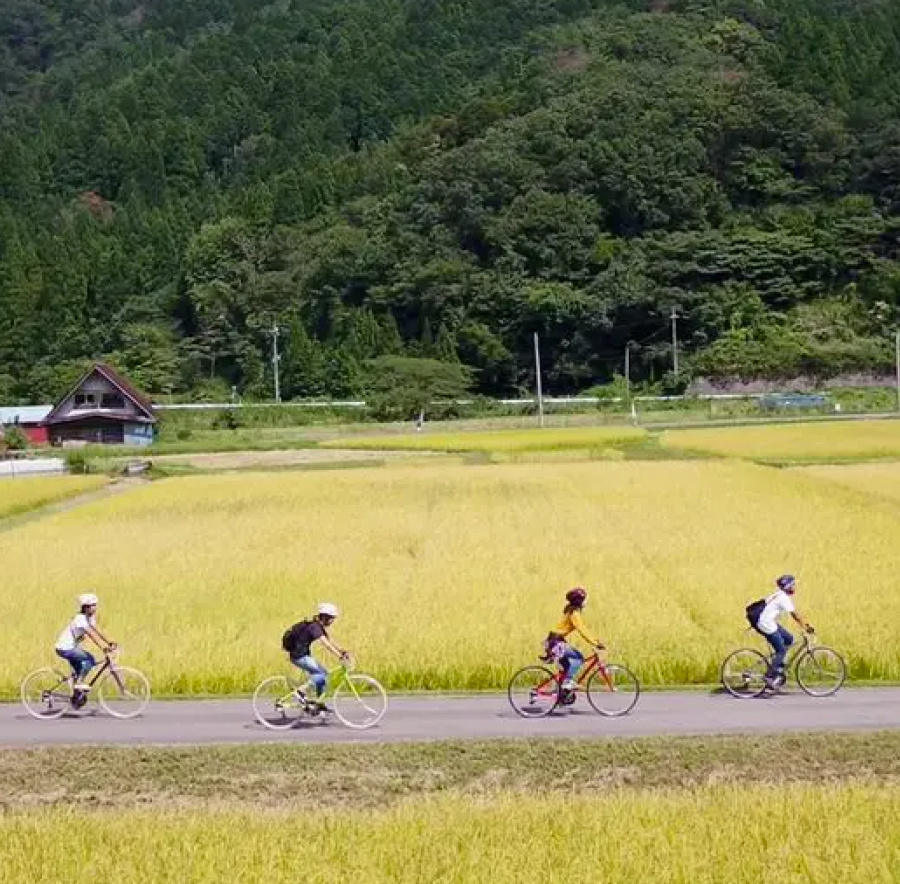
(88,598)
(328,609)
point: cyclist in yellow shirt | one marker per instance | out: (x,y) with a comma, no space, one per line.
(556,646)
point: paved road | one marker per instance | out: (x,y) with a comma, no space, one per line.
(437,718)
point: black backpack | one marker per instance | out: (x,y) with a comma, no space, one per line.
(754,611)
(291,637)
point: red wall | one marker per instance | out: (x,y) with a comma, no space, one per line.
(37,435)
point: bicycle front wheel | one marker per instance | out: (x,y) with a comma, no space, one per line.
(124,692)
(276,704)
(820,671)
(45,693)
(359,702)
(744,673)
(613,690)
(533,692)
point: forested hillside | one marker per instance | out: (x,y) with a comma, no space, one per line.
(426,177)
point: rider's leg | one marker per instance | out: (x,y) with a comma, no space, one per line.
(316,671)
(82,663)
(779,649)
(571,662)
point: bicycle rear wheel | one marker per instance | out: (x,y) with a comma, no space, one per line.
(744,673)
(534,692)
(124,692)
(45,693)
(613,690)
(276,704)
(820,671)
(359,702)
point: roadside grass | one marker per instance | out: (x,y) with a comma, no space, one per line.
(26,493)
(734,833)
(798,443)
(383,775)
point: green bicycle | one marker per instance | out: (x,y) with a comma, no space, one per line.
(358,701)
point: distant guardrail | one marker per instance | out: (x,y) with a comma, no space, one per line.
(524,403)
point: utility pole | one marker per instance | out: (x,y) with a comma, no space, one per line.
(276,358)
(897,361)
(628,370)
(537,374)
(674,318)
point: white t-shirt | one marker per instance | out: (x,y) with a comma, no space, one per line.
(73,635)
(776,605)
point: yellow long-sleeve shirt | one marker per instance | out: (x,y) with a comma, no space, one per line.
(574,623)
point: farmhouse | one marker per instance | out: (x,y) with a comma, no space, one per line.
(102,408)
(30,419)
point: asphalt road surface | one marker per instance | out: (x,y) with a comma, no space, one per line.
(471,718)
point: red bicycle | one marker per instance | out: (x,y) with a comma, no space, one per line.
(612,689)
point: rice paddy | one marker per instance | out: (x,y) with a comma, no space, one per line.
(734,833)
(449,577)
(556,439)
(877,479)
(20,495)
(824,441)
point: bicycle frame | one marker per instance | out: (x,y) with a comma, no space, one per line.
(332,685)
(590,664)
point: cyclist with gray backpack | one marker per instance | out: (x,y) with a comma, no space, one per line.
(763,616)
(298,640)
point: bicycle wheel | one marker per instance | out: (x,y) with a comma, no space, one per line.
(534,692)
(359,701)
(744,673)
(613,691)
(276,704)
(46,693)
(123,692)
(820,671)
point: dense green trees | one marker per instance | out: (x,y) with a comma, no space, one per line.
(436,180)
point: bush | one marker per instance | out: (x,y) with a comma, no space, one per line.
(14,438)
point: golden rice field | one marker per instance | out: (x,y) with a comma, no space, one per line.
(811,442)
(450,576)
(26,493)
(879,479)
(740,835)
(556,439)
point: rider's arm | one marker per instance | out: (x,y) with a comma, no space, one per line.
(98,638)
(581,629)
(801,620)
(331,646)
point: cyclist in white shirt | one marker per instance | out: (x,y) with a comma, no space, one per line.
(780,602)
(68,645)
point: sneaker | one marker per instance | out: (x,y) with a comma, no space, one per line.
(318,706)
(81,687)
(569,685)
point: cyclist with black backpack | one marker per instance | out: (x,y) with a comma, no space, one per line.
(298,640)
(763,616)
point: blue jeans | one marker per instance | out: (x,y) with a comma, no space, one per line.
(316,671)
(571,661)
(80,660)
(780,640)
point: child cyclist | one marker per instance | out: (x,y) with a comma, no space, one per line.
(68,645)
(556,646)
(298,640)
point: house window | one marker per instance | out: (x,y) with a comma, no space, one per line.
(85,400)
(112,400)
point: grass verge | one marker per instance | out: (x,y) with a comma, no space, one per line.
(381,776)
